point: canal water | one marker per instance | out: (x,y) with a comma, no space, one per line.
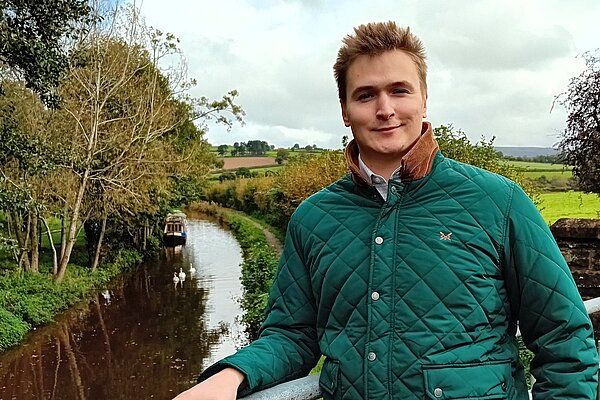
(143,337)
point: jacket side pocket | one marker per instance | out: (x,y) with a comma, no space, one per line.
(329,379)
(486,380)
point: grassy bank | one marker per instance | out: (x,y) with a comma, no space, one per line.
(29,300)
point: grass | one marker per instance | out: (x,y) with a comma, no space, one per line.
(569,205)
(534,166)
(263,170)
(533,170)
(566,174)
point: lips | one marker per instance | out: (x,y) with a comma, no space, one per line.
(386,129)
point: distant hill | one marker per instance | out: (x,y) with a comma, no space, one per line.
(526,151)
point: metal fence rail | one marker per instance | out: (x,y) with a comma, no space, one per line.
(308,388)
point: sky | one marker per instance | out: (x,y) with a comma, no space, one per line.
(494,67)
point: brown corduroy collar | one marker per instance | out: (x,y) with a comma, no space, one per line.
(415,164)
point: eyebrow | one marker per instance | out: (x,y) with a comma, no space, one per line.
(403,83)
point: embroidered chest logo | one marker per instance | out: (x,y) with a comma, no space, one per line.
(444,236)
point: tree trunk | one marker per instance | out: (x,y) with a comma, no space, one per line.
(51,242)
(145,234)
(22,240)
(99,244)
(34,253)
(63,236)
(73,220)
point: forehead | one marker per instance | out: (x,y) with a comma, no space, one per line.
(387,67)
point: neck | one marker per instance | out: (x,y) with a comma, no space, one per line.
(382,165)
(415,164)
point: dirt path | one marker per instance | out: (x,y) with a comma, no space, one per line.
(271,239)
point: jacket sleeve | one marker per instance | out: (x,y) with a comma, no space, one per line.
(287,346)
(544,298)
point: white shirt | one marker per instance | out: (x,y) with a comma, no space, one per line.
(377,181)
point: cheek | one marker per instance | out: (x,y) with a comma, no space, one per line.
(358,116)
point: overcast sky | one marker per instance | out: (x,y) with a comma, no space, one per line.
(494,66)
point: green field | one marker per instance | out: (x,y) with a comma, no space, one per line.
(533,170)
(534,166)
(565,174)
(262,170)
(569,205)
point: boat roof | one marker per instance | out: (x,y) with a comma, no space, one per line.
(176,216)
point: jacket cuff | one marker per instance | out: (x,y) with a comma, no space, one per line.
(244,389)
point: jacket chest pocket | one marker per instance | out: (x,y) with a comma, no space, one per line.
(487,381)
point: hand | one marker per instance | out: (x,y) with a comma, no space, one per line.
(221,386)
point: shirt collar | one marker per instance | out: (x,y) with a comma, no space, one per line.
(416,164)
(371,177)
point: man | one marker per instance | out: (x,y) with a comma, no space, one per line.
(411,273)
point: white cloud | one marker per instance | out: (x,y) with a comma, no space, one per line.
(495,67)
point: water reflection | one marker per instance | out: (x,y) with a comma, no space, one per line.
(143,337)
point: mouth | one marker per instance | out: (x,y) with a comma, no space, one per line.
(387,129)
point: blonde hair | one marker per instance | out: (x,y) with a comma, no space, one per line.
(373,39)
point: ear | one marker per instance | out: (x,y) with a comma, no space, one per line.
(425,105)
(345,114)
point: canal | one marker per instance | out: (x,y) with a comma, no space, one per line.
(143,337)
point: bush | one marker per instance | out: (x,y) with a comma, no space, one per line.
(12,329)
(258,270)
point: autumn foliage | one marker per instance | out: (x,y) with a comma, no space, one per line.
(275,197)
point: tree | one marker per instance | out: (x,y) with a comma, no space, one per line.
(129,123)
(580,143)
(455,144)
(257,147)
(243,172)
(32,37)
(222,149)
(344,140)
(27,159)
(283,153)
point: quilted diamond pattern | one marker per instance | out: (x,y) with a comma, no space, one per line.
(455,260)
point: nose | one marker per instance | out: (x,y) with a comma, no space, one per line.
(385,109)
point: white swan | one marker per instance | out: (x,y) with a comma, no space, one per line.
(175,278)
(181,274)
(192,269)
(106,296)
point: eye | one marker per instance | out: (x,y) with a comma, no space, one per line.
(364,96)
(400,90)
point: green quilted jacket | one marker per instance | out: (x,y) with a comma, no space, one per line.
(418,297)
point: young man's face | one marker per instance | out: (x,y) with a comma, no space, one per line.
(384,106)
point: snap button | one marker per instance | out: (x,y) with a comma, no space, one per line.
(377,180)
(378,240)
(394,190)
(371,356)
(375,296)
(437,392)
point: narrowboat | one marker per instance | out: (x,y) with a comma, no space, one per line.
(175,233)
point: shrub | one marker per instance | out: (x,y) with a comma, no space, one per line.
(12,329)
